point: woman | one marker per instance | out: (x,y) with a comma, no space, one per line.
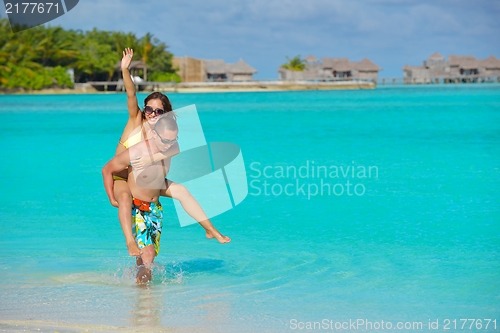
(138,128)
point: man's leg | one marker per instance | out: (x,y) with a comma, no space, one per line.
(124,198)
(193,208)
(144,263)
(147,226)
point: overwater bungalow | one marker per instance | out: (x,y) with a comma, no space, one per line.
(332,69)
(240,71)
(454,69)
(199,70)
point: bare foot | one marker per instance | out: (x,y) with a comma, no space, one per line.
(224,239)
(220,238)
(143,275)
(133,250)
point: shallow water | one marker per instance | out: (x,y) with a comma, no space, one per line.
(416,240)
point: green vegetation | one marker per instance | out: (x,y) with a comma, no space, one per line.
(295,64)
(165,77)
(39,57)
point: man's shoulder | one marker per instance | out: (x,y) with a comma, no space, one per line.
(139,148)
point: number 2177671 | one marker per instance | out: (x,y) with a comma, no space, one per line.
(31,8)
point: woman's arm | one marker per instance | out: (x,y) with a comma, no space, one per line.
(143,161)
(133,107)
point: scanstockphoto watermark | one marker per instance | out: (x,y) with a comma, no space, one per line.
(357,324)
(366,325)
(310,179)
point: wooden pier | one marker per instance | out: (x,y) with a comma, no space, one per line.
(234,85)
(440,80)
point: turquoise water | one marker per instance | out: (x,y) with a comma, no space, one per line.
(417,239)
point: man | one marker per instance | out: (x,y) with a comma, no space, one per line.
(145,186)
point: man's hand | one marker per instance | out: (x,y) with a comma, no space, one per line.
(127,58)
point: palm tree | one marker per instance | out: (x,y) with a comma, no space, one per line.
(55,47)
(123,40)
(146,45)
(295,64)
(4,68)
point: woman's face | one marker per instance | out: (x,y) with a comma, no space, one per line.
(153,110)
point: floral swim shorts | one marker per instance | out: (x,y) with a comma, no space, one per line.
(147,219)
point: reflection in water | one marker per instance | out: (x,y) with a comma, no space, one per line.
(205,312)
(147,306)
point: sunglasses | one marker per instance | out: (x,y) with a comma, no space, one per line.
(165,141)
(149,110)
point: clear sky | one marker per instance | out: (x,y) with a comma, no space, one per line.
(391,33)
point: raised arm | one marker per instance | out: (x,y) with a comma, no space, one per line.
(117,163)
(133,106)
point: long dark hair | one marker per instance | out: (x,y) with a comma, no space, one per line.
(167,107)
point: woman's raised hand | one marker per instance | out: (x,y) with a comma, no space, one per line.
(128,53)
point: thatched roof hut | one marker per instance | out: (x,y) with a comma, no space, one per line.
(367,65)
(470,64)
(241,67)
(342,65)
(330,62)
(435,57)
(332,68)
(215,66)
(310,59)
(491,62)
(455,60)
(135,67)
(218,69)
(456,68)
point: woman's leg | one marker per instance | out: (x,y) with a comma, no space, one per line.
(193,208)
(124,198)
